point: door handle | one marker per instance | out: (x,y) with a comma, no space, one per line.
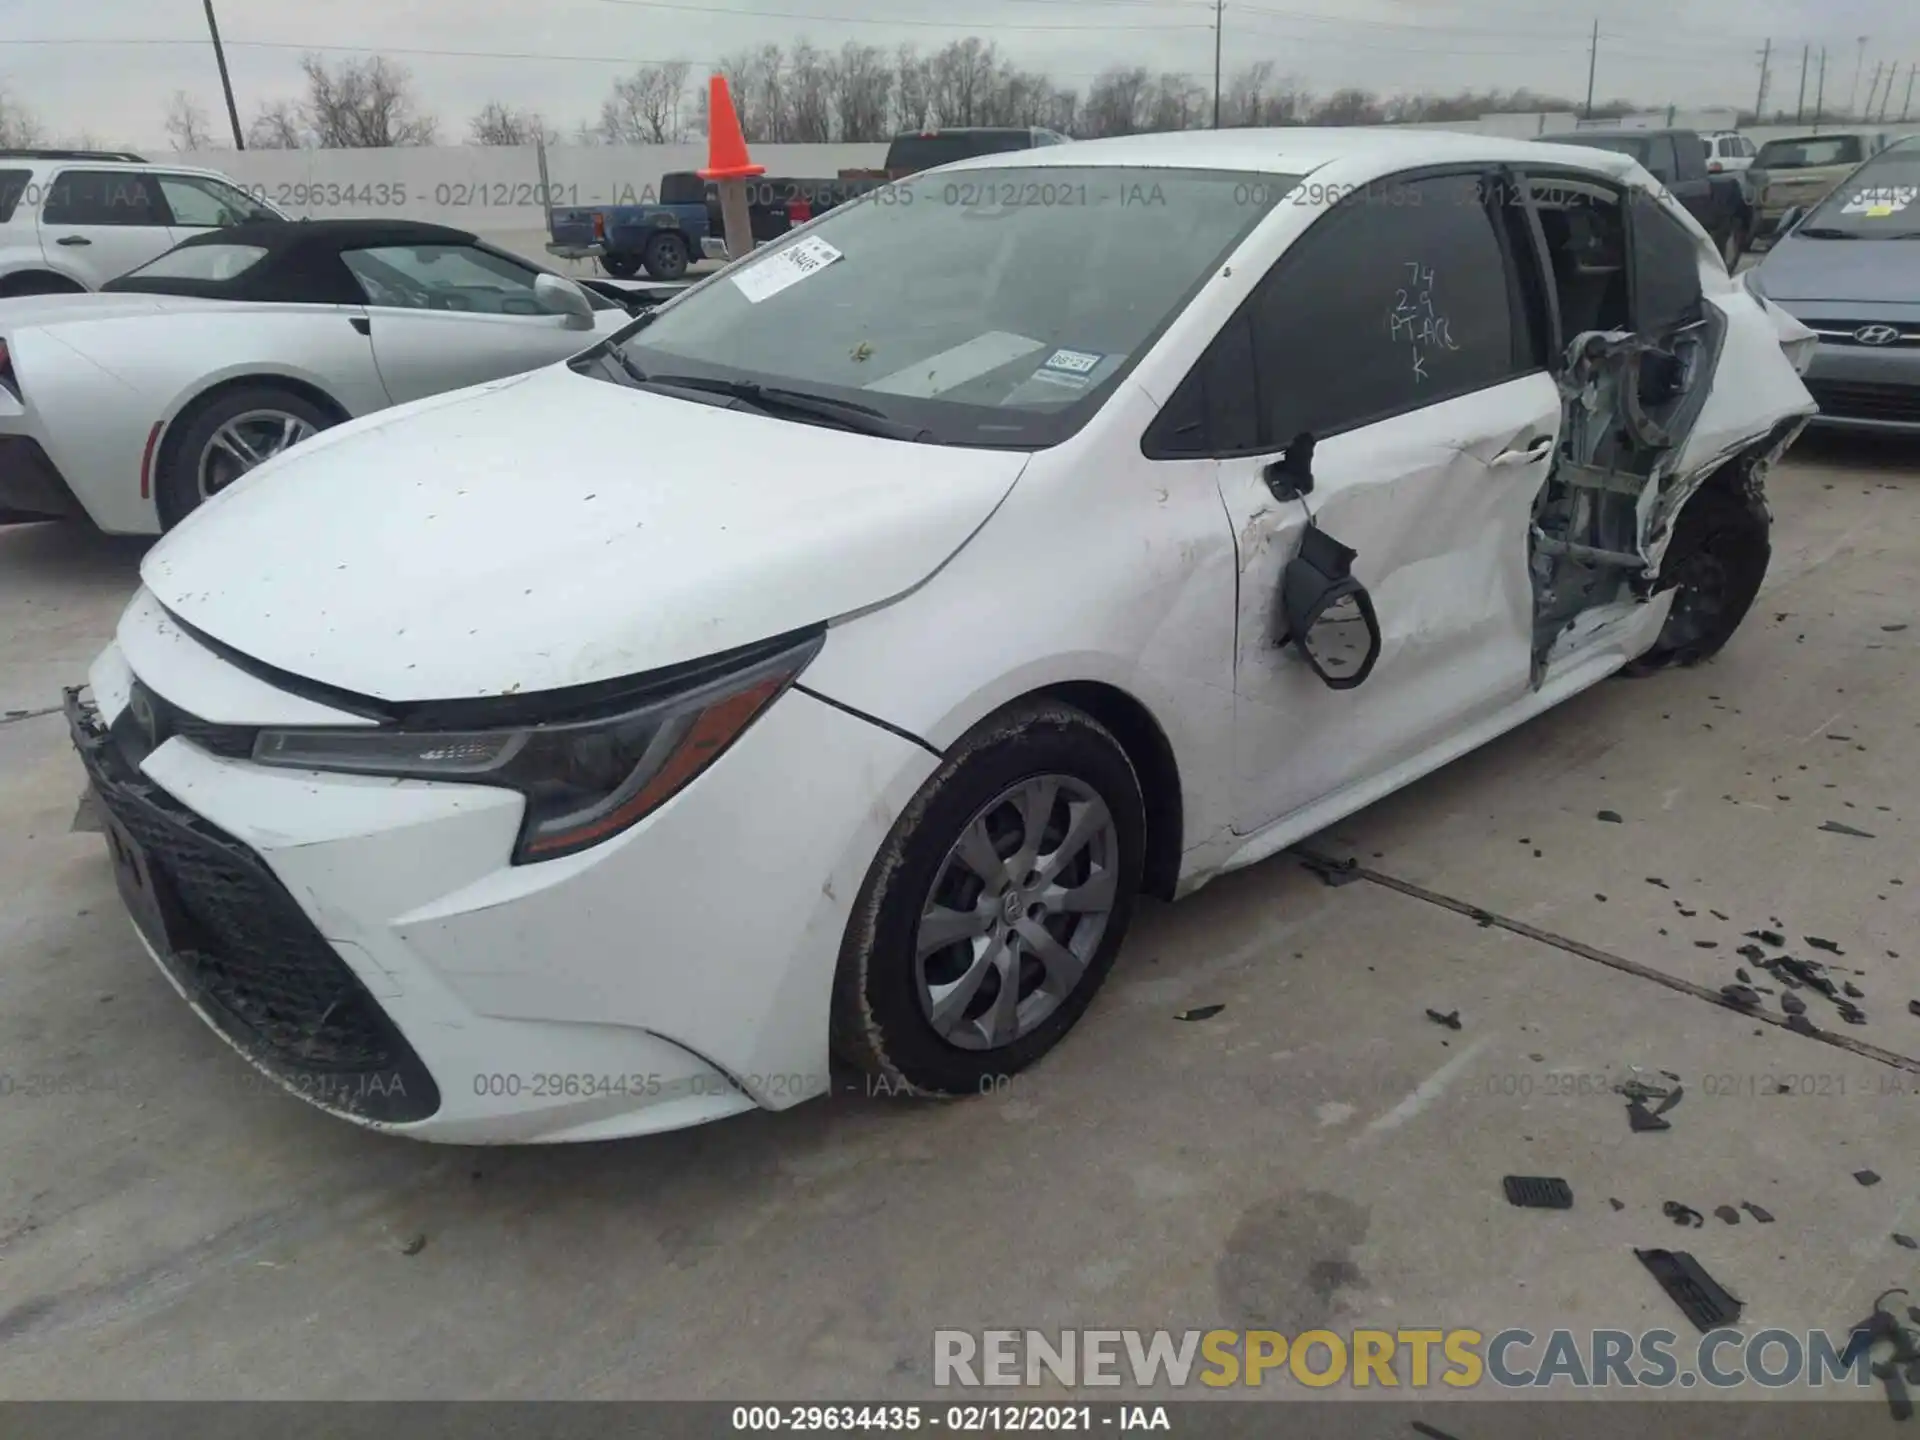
(73,240)
(1536,449)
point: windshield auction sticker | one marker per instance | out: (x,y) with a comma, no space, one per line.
(785,268)
(1882,201)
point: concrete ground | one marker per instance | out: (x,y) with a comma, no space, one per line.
(1318,1152)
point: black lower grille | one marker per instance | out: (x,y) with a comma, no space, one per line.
(1860,400)
(239,944)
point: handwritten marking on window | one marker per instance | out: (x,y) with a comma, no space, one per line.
(1415,321)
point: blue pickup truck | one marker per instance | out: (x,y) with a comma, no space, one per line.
(683,225)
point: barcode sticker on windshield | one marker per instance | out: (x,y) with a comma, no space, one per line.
(785,267)
(1881,202)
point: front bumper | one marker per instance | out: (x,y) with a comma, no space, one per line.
(678,973)
(592,250)
(1860,388)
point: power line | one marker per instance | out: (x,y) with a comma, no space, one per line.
(974,26)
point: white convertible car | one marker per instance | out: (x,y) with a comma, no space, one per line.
(903,601)
(133,405)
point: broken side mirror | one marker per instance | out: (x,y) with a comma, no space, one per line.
(1328,614)
(1291,476)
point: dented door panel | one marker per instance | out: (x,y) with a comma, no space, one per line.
(1437,504)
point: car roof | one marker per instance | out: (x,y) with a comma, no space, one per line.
(1820,135)
(302,264)
(1301,150)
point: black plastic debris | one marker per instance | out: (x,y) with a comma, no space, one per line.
(1643,1119)
(1742,996)
(1913,1007)
(1768,937)
(1334,873)
(1760,1213)
(1706,944)
(1612,817)
(1851,1013)
(1827,945)
(1884,1328)
(1906,1242)
(1742,976)
(1601,898)
(1854,992)
(1451,1019)
(1801,1025)
(1700,1297)
(1793,1004)
(1656,880)
(1834,827)
(1204,1012)
(1866,1177)
(1683,1214)
(1727,1213)
(1893,629)
(1430,1432)
(1616,1204)
(414,1246)
(1538,1192)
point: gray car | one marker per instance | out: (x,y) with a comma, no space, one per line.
(1850,271)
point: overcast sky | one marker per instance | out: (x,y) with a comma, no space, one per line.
(1657,51)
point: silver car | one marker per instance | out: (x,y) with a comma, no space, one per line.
(1850,271)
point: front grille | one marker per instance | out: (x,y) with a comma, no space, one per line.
(240,945)
(1860,400)
(1847,332)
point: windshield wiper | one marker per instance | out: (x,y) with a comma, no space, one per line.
(1827,232)
(847,414)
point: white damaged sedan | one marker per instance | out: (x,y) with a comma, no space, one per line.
(823,664)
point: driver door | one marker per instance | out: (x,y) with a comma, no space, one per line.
(442,317)
(1401,336)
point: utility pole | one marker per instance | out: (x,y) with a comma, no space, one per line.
(1886,101)
(1873,89)
(1800,107)
(1760,101)
(1593,65)
(1912,71)
(1219,8)
(1859,64)
(1820,100)
(220,57)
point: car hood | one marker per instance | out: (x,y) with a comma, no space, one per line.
(553,530)
(1862,270)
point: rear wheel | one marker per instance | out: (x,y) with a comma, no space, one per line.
(667,257)
(621,267)
(226,438)
(1721,547)
(996,907)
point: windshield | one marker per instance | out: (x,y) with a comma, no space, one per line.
(1879,201)
(991,307)
(1810,152)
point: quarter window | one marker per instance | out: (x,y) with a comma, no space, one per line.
(1666,264)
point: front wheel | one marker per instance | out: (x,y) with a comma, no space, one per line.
(996,907)
(666,257)
(1722,545)
(226,438)
(621,267)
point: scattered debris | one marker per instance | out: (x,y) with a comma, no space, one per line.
(1611,817)
(1834,827)
(1801,1025)
(1451,1019)
(1204,1012)
(1882,1327)
(1656,880)
(1793,1004)
(1706,944)
(1906,1242)
(414,1246)
(1616,1204)
(1334,873)
(1700,1297)
(1430,1432)
(1538,1192)
(1768,937)
(1866,1177)
(1683,1214)
(1601,898)
(1758,1212)
(1643,1119)
(1851,1013)
(1854,992)
(1893,629)
(1742,996)
(1743,977)
(1913,1007)
(1727,1213)
(1827,945)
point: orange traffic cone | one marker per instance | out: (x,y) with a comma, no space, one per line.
(726,146)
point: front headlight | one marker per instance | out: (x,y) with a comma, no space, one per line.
(585,779)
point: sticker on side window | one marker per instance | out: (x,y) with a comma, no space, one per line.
(1072,368)
(785,268)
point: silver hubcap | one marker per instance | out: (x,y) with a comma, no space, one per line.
(1017,912)
(243,442)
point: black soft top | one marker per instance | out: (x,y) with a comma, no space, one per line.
(302,264)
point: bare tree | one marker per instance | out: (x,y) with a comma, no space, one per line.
(498,123)
(961,78)
(363,105)
(646,107)
(809,100)
(1175,103)
(912,89)
(187,124)
(278,126)
(1349,107)
(1115,102)
(859,86)
(20,128)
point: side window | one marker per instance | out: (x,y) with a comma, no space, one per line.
(102,197)
(1662,159)
(197,201)
(1666,269)
(1216,410)
(13,184)
(1397,298)
(1584,227)
(444,277)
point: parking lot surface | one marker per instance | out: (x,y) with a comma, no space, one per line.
(1316,1151)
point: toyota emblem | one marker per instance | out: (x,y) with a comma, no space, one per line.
(1876,334)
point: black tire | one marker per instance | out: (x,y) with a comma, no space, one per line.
(1722,545)
(177,483)
(621,267)
(667,257)
(39,282)
(878,1021)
